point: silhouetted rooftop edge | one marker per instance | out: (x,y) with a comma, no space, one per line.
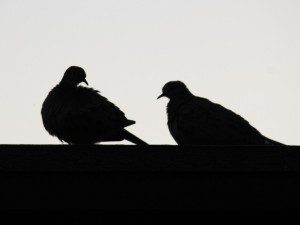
(148,158)
(149,177)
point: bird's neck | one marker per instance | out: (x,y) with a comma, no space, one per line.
(182,96)
(67,84)
(176,101)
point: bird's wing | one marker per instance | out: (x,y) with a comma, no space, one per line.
(88,109)
(201,121)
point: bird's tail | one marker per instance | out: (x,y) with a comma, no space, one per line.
(132,138)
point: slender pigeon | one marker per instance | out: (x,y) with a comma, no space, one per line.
(80,115)
(194,120)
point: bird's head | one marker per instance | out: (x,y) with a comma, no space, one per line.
(174,89)
(74,75)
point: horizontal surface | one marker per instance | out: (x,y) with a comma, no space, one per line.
(149,177)
(149,190)
(148,158)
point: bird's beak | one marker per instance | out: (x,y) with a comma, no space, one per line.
(85,82)
(162,95)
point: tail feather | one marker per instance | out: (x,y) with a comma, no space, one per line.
(132,138)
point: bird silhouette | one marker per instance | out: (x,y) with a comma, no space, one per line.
(194,120)
(80,115)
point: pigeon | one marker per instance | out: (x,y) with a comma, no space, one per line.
(194,120)
(80,115)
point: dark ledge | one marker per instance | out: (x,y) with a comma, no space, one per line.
(119,158)
(149,177)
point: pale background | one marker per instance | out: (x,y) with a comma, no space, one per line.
(242,54)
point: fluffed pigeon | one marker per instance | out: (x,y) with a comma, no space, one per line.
(194,120)
(80,115)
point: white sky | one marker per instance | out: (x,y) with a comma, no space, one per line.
(242,54)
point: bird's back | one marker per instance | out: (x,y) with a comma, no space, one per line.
(200,121)
(81,115)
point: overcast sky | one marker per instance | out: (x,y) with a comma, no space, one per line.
(242,54)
